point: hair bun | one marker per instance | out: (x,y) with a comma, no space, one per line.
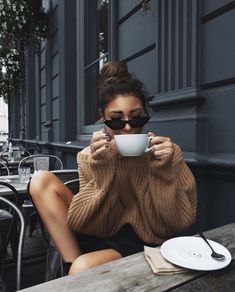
(114,71)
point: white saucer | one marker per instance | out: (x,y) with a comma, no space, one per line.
(193,253)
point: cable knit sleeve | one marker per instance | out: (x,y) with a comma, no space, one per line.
(173,191)
(95,177)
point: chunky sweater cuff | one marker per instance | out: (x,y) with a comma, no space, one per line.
(103,169)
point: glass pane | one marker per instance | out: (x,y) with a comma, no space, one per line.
(91,77)
(95,53)
(95,30)
(102,13)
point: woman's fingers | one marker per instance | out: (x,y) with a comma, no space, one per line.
(160,153)
(161,146)
(156,140)
(99,153)
(99,144)
(96,145)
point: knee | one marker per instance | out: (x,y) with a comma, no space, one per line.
(81,264)
(39,182)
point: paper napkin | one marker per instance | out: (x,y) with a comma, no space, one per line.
(157,262)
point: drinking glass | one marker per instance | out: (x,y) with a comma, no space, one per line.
(24,174)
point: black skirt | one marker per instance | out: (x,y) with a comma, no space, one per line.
(125,241)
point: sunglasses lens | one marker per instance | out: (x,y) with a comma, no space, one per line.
(138,122)
(120,124)
(115,124)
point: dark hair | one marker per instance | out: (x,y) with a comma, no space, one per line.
(115,79)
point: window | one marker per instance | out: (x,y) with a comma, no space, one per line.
(96,52)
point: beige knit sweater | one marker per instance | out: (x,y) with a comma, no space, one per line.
(157,197)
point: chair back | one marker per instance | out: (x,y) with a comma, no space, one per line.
(12,207)
(73,185)
(14,194)
(41,162)
(4,170)
(66,174)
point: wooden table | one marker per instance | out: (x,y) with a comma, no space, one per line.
(134,274)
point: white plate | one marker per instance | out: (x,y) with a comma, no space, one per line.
(193,253)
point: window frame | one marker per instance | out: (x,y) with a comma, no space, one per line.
(84,131)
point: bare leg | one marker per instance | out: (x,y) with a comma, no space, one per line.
(93,259)
(52,199)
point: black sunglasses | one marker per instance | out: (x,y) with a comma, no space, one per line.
(120,124)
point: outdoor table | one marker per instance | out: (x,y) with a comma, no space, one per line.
(21,187)
(134,274)
(14,180)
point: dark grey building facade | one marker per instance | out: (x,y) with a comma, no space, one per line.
(183,50)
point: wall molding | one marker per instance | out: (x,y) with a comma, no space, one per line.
(190,96)
(218,165)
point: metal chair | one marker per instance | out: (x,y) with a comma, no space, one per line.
(16,199)
(42,162)
(65,175)
(18,152)
(8,215)
(54,264)
(37,162)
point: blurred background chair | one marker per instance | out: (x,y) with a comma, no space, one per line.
(18,152)
(9,213)
(41,162)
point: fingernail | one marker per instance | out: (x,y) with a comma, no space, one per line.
(108,134)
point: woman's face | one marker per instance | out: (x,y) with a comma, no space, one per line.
(124,108)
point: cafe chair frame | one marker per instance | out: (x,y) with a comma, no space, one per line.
(57,162)
(4,167)
(53,162)
(15,197)
(4,154)
(54,264)
(17,211)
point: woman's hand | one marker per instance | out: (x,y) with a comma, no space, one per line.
(161,146)
(100,144)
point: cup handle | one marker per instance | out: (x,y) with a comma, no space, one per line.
(148,148)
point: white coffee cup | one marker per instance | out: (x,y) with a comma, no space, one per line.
(132,144)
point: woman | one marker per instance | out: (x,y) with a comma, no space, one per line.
(124,203)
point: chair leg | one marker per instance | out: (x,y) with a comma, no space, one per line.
(14,240)
(53,264)
(33,219)
(32,223)
(3,287)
